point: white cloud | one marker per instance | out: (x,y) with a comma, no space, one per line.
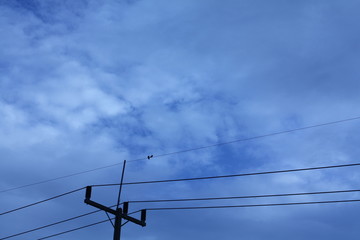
(113,81)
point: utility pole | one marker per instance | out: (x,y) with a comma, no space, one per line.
(119,213)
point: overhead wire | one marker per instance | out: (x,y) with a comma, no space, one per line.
(232,175)
(42,201)
(57,178)
(254,205)
(243,197)
(187,199)
(186,150)
(82,227)
(59,222)
(256,137)
(74,229)
(213,207)
(49,225)
(190,179)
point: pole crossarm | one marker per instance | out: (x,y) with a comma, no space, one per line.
(134,220)
(119,213)
(100,206)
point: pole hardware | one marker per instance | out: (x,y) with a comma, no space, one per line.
(125,207)
(119,213)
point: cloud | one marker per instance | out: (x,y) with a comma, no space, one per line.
(87,84)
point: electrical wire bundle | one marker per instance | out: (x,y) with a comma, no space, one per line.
(203,199)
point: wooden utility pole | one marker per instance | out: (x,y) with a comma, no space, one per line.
(119,213)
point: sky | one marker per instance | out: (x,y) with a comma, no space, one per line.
(86,84)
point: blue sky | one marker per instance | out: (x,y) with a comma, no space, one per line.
(85,84)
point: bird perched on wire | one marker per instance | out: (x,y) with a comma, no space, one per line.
(148,157)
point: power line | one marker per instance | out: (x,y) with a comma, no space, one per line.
(59,222)
(57,178)
(42,201)
(233,175)
(255,205)
(241,197)
(190,179)
(49,225)
(213,207)
(260,136)
(79,228)
(189,199)
(74,229)
(186,150)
